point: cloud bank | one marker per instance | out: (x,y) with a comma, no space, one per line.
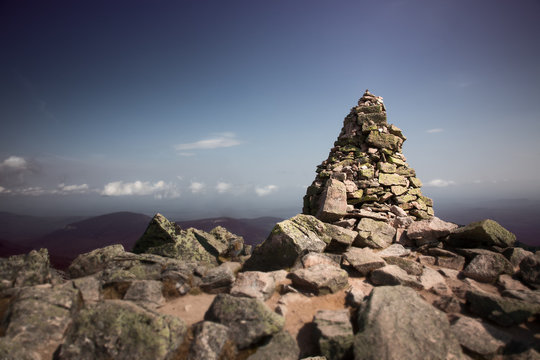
(265,190)
(440,183)
(159,189)
(223,140)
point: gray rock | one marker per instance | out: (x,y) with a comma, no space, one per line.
(165,238)
(481,233)
(25,270)
(311,259)
(340,238)
(288,241)
(94,261)
(394,250)
(219,279)
(12,349)
(503,311)
(254,284)
(335,333)
(480,338)
(487,267)
(146,293)
(529,270)
(529,296)
(448,304)
(121,330)
(280,346)
(429,231)
(390,328)
(320,279)
(333,202)
(374,234)
(39,315)
(363,260)
(516,254)
(411,267)
(209,339)
(90,288)
(431,279)
(249,320)
(394,275)
(355,296)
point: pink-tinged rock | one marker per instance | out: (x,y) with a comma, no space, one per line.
(333,201)
(427,231)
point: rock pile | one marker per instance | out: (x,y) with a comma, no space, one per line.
(366,172)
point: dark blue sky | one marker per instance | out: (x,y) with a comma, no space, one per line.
(203,108)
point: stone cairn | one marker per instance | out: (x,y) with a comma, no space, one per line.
(366,174)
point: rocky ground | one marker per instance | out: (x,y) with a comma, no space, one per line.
(328,298)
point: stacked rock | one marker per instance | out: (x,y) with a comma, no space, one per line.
(366,174)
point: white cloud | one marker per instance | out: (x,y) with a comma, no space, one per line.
(159,189)
(73,189)
(223,187)
(196,187)
(434,131)
(219,141)
(2,189)
(15,163)
(440,183)
(265,190)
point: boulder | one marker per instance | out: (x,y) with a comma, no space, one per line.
(431,279)
(479,338)
(312,259)
(481,233)
(254,284)
(289,240)
(394,275)
(320,279)
(280,346)
(411,267)
(448,304)
(38,316)
(374,234)
(363,260)
(220,279)
(90,288)
(249,320)
(390,328)
(234,243)
(117,329)
(333,203)
(516,254)
(146,293)
(501,310)
(165,238)
(94,261)
(209,339)
(529,270)
(335,333)
(487,267)
(340,238)
(429,231)
(25,270)
(12,349)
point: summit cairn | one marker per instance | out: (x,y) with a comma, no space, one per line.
(366,174)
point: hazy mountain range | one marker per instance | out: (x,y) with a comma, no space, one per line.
(67,237)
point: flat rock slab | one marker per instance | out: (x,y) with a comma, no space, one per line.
(501,310)
(479,337)
(94,261)
(249,320)
(147,293)
(320,279)
(487,267)
(335,333)
(374,234)
(363,260)
(254,284)
(218,279)
(394,275)
(116,329)
(410,266)
(428,231)
(394,250)
(482,233)
(390,328)
(209,338)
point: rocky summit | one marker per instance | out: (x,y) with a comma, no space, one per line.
(366,272)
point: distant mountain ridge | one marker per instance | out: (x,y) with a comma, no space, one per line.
(66,239)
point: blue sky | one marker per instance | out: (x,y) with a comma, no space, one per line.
(210,108)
